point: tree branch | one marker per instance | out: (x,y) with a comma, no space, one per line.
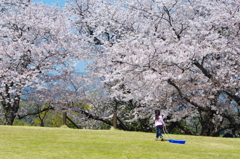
(207,74)
(37,112)
(186,98)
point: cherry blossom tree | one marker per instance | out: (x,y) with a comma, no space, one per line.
(175,55)
(36,41)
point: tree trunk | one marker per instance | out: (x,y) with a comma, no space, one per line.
(10,104)
(206,123)
(10,112)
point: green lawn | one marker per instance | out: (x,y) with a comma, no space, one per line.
(24,142)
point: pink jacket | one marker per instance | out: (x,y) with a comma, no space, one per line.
(159,122)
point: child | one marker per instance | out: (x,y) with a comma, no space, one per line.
(159,123)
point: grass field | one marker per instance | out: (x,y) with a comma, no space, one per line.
(18,142)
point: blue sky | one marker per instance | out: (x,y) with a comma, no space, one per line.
(80,65)
(61,2)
